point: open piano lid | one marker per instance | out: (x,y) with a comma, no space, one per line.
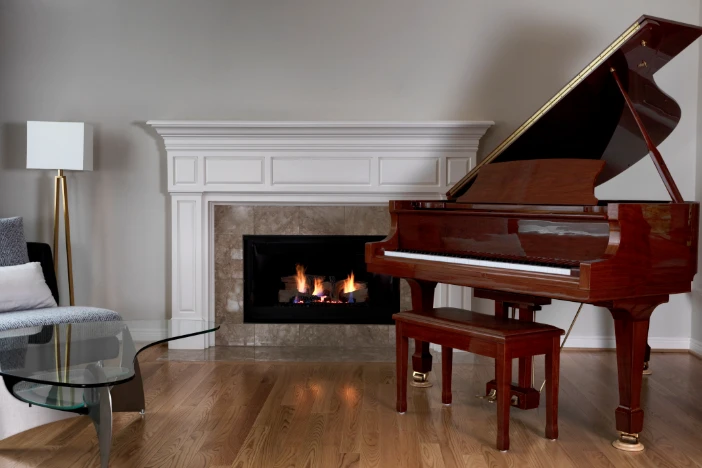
(589,119)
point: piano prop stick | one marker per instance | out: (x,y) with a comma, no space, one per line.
(524,223)
(658,161)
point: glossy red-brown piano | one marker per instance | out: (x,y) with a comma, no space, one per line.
(524,226)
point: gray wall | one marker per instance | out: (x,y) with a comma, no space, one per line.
(696,318)
(117,64)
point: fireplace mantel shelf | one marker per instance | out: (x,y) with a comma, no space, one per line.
(301,163)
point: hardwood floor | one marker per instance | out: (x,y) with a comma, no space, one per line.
(257,414)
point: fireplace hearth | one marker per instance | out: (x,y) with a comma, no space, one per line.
(314,279)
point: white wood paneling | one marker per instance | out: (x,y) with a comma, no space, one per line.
(321,171)
(456,168)
(234,170)
(185,170)
(186,213)
(410,172)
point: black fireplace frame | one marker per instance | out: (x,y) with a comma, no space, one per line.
(376,312)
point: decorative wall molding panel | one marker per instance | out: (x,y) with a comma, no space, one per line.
(298,163)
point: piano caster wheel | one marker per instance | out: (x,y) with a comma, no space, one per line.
(420,380)
(628,443)
(647,369)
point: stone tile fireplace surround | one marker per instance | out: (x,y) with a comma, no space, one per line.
(227,179)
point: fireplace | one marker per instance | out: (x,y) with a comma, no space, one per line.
(358,166)
(314,279)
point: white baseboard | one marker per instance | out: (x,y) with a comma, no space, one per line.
(696,348)
(608,342)
(147,334)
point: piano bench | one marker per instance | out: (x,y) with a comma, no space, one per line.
(501,339)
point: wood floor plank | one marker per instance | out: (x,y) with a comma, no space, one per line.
(342,415)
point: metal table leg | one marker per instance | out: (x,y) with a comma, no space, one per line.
(99,405)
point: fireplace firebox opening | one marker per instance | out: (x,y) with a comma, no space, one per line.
(315,279)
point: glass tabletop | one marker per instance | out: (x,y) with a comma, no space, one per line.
(85,354)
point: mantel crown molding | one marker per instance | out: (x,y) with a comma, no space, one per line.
(203,134)
(235,127)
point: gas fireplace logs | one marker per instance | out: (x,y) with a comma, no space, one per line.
(306,289)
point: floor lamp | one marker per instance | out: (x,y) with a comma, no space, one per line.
(62,146)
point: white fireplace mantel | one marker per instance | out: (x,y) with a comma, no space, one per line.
(354,163)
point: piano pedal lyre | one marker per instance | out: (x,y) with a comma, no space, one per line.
(420,380)
(628,443)
(491,397)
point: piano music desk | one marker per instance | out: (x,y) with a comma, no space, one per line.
(499,338)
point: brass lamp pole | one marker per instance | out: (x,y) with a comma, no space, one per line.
(61,187)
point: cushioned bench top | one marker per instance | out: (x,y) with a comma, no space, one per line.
(55,315)
(471,322)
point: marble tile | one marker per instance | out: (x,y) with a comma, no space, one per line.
(366,335)
(231,222)
(321,335)
(275,334)
(234,219)
(321,220)
(229,300)
(366,220)
(235,334)
(277,220)
(324,354)
(405,296)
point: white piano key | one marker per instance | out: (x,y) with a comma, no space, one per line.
(481,263)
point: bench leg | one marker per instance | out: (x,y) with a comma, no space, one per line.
(503,374)
(552,365)
(401,355)
(446,368)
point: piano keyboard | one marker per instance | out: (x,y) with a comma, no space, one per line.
(480,261)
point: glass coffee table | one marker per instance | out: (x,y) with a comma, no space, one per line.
(87,367)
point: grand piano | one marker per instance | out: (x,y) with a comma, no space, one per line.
(524,227)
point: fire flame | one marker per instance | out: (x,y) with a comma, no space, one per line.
(301,279)
(349,284)
(318,287)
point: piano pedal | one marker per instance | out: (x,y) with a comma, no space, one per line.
(420,380)
(647,369)
(628,443)
(492,398)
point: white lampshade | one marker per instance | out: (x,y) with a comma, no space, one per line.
(60,145)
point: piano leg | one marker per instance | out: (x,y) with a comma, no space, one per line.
(422,298)
(631,319)
(526,365)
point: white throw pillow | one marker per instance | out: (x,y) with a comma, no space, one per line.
(22,287)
